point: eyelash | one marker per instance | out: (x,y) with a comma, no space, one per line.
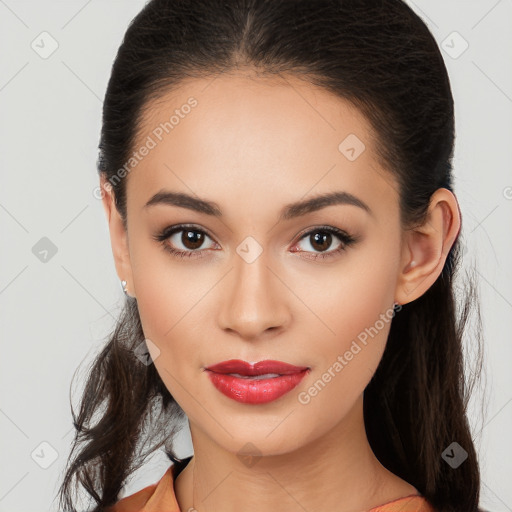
(346,241)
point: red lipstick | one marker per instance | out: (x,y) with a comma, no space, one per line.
(260,383)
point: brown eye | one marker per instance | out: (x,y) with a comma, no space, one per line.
(321,240)
(184,241)
(192,239)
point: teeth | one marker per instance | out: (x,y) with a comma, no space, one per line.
(256,377)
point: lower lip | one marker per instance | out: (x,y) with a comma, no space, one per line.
(252,391)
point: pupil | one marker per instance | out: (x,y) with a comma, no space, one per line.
(192,239)
(321,237)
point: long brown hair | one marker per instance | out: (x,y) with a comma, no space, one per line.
(379,55)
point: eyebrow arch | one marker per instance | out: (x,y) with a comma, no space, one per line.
(289,211)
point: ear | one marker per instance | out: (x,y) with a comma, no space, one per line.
(118,235)
(426,247)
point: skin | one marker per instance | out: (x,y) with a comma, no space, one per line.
(253,146)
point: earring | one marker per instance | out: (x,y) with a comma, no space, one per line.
(123,284)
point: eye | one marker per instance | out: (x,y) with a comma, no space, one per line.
(187,241)
(321,238)
(183,241)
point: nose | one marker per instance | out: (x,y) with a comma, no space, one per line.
(254,302)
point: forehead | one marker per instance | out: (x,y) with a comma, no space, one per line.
(254,109)
(236,134)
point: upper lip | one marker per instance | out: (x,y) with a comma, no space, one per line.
(260,368)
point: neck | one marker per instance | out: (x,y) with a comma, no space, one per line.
(337,471)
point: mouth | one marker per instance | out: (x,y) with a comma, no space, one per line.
(245,369)
(255,377)
(258,383)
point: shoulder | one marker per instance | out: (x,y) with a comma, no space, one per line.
(412,503)
(158,494)
(134,502)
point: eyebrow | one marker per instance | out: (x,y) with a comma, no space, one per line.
(289,211)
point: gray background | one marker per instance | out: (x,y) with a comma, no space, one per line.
(56,309)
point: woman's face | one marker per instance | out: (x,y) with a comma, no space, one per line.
(260,279)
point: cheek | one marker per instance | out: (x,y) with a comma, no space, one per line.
(169,320)
(345,362)
(167,291)
(350,296)
(167,300)
(354,304)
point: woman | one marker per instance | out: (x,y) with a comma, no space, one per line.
(277,180)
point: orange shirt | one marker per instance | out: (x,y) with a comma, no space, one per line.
(160,497)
